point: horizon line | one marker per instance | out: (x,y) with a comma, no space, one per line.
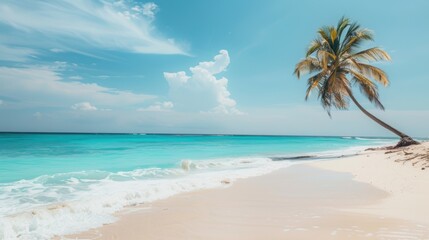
(190,134)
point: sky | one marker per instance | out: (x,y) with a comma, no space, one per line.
(212,67)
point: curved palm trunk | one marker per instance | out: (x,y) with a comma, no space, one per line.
(405,139)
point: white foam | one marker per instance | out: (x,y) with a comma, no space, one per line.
(73,202)
(224,163)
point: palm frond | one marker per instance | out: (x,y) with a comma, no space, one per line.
(333,34)
(371,54)
(367,88)
(341,96)
(307,65)
(325,34)
(349,34)
(314,46)
(355,38)
(349,63)
(327,91)
(365,34)
(374,72)
(314,82)
(342,24)
(325,95)
(325,58)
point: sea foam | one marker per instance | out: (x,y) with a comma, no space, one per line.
(67,203)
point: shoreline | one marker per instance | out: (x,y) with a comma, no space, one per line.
(386,169)
(388,200)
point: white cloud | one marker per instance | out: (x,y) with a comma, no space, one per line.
(167,104)
(38,115)
(44,87)
(56,50)
(83,106)
(1,102)
(79,25)
(59,66)
(202,91)
(75,78)
(103,76)
(158,107)
(16,54)
(148,9)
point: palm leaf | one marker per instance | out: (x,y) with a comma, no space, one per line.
(371,54)
(375,73)
(313,82)
(368,88)
(307,65)
(314,46)
(342,24)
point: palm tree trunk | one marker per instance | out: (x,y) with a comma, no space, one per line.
(405,139)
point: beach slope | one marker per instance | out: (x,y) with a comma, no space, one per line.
(380,194)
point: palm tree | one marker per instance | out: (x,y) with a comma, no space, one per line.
(337,63)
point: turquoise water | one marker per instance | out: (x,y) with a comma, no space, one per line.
(26,156)
(64,183)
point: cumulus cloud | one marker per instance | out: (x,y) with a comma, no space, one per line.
(44,86)
(158,107)
(148,9)
(78,25)
(83,106)
(202,91)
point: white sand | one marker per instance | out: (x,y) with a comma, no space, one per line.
(407,185)
(369,196)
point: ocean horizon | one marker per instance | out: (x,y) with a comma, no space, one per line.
(197,134)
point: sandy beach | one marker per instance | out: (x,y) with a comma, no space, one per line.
(213,120)
(374,195)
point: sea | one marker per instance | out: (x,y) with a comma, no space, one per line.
(53,184)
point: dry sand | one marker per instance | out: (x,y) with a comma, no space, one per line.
(369,196)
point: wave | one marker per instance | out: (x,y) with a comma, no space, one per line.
(224,163)
(368,139)
(67,203)
(362,138)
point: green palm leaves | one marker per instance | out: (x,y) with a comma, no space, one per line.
(335,62)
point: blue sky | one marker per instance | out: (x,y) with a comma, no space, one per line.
(196,66)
